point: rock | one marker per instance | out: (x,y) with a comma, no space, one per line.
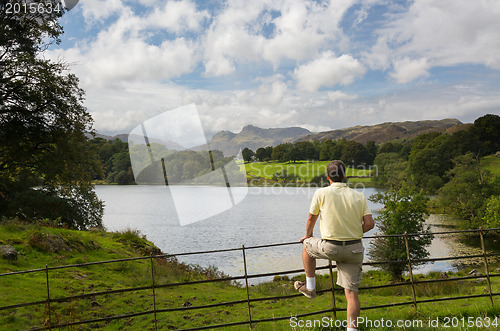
(48,242)
(8,252)
(79,276)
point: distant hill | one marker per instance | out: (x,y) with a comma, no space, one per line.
(253,137)
(387,131)
(139,140)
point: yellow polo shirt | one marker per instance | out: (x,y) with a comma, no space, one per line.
(341,212)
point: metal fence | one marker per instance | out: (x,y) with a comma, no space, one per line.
(153,287)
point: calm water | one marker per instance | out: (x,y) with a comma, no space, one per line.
(265,216)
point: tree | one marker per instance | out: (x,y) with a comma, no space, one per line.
(263,154)
(468,189)
(487,128)
(43,127)
(247,154)
(371,152)
(326,149)
(427,168)
(491,214)
(354,153)
(404,211)
(303,150)
(389,170)
(282,152)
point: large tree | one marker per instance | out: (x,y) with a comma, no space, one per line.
(46,163)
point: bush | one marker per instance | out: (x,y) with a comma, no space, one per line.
(404,211)
(491,214)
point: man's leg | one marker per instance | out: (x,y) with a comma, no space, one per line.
(310,269)
(353,308)
(309,263)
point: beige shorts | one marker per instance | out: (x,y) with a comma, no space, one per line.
(349,260)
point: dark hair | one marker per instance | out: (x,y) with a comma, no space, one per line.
(336,171)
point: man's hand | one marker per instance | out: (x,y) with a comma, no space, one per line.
(304,238)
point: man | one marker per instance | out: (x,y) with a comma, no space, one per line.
(344,217)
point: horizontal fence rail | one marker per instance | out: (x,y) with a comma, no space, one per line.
(49,324)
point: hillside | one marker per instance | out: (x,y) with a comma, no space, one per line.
(119,295)
(386,131)
(254,137)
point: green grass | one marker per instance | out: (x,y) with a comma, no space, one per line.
(306,170)
(98,246)
(491,163)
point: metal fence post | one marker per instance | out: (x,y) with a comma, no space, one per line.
(334,308)
(410,270)
(48,295)
(153,288)
(246,285)
(487,269)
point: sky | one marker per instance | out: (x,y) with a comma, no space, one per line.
(320,65)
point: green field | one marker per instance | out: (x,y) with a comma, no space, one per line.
(34,252)
(306,170)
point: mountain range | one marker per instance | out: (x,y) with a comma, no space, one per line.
(254,137)
(387,131)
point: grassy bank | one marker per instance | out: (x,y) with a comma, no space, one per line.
(37,246)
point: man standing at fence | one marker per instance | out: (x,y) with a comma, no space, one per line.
(344,217)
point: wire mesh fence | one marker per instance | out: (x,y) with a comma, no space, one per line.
(153,309)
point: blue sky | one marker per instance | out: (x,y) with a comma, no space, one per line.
(320,65)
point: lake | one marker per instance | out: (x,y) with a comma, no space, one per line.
(268,215)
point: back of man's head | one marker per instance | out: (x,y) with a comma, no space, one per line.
(336,171)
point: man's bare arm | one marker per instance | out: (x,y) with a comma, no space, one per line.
(311,221)
(368,223)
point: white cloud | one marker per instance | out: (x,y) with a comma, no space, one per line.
(328,71)
(99,10)
(134,59)
(231,39)
(178,17)
(340,96)
(406,70)
(270,93)
(296,36)
(121,52)
(245,32)
(438,33)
